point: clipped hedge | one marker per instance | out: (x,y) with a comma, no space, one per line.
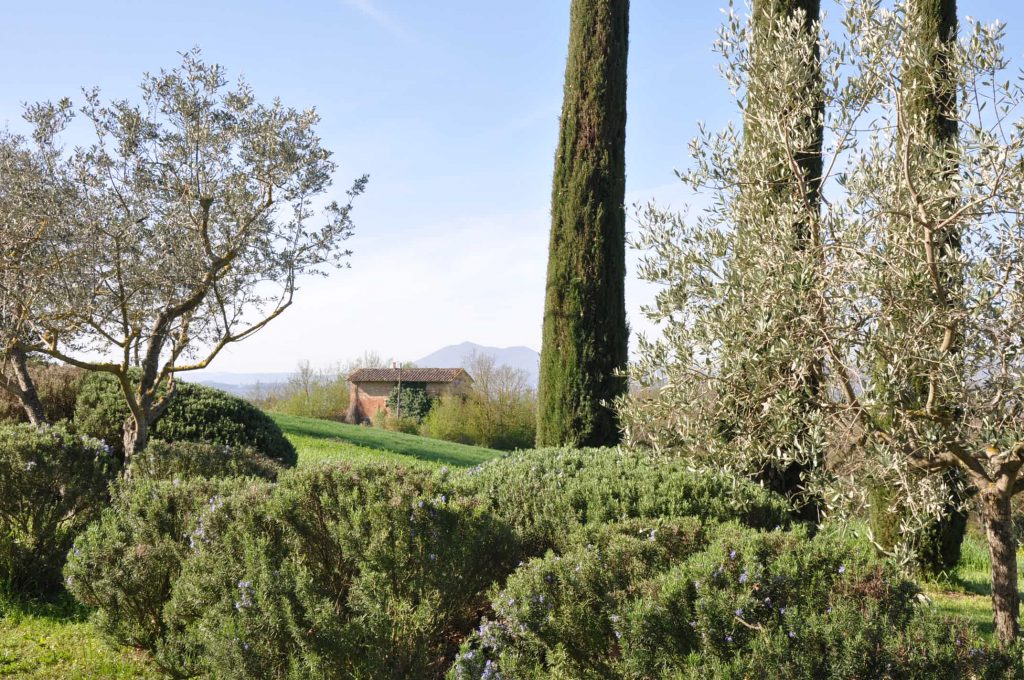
(544,493)
(196,414)
(52,484)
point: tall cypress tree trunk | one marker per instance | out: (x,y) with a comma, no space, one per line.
(585,338)
(930,125)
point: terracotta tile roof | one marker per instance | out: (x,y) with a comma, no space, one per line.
(390,375)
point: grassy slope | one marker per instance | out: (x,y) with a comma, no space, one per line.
(325,440)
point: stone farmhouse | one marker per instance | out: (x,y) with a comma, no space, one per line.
(369,387)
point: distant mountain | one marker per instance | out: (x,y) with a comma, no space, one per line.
(241,384)
(459,356)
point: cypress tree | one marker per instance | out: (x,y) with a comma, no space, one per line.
(585,337)
(783,174)
(929,108)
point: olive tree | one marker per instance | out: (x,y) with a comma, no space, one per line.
(193,224)
(910,283)
(35,197)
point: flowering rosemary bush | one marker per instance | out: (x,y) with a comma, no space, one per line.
(560,611)
(52,484)
(125,564)
(744,602)
(356,571)
(181,460)
(544,493)
(335,571)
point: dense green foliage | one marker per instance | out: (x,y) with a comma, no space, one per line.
(544,493)
(385,564)
(196,414)
(411,401)
(52,484)
(627,567)
(504,425)
(633,602)
(125,564)
(184,460)
(585,335)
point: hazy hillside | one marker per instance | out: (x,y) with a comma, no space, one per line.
(458,356)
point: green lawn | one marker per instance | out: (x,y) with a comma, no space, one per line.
(968,590)
(318,440)
(56,640)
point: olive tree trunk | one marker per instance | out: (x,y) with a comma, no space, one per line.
(1002,548)
(24,389)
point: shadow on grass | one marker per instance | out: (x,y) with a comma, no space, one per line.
(61,608)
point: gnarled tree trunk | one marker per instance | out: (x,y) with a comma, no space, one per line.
(1002,547)
(23,388)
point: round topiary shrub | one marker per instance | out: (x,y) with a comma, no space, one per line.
(52,484)
(196,414)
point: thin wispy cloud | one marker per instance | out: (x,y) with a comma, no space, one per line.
(369,9)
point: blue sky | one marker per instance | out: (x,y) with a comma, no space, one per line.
(451,107)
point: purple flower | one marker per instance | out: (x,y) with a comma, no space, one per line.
(782,611)
(732,554)
(728,638)
(792,635)
(842,569)
(739,612)
(743,577)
